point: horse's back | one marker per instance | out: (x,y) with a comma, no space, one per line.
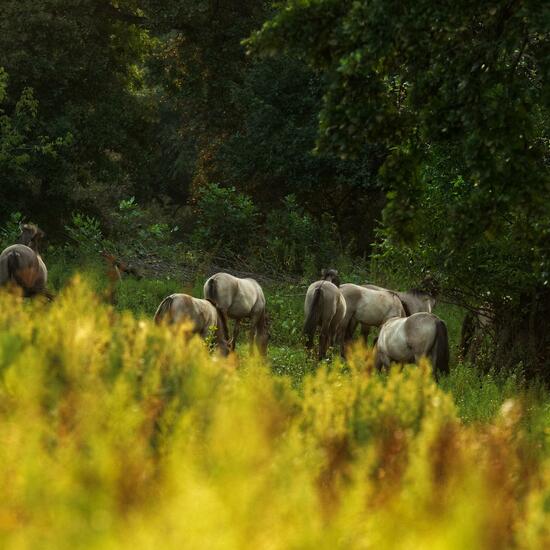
(421,324)
(393,340)
(371,306)
(333,302)
(27,256)
(200,312)
(238,297)
(330,291)
(28,269)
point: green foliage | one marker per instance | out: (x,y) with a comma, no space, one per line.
(226,221)
(80,89)
(85,233)
(10,231)
(292,236)
(458,93)
(271,152)
(23,146)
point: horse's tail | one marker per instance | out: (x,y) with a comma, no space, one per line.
(211,291)
(314,314)
(5,269)
(440,349)
(13,264)
(163,309)
(222,320)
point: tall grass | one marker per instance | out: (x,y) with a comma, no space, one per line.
(115,433)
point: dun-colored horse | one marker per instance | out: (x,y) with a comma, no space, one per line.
(240,299)
(202,313)
(21,264)
(406,340)
(324,307)
(369,308)
(413,300)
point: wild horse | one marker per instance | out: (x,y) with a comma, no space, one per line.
(240,299)
(202,313)
(407,339)
(22,265)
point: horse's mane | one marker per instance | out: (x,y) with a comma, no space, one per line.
(418,292)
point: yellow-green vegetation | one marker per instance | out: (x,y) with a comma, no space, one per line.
(117,433)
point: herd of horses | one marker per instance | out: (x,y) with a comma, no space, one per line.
(408,328)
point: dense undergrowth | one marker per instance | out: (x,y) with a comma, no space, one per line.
(118,433)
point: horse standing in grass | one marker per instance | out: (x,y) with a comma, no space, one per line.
(324,307)
(203,314)
(240,299)
(407,339)
(369,308)
(21,264)
(413,300)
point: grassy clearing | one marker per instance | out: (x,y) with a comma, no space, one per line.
(478,395)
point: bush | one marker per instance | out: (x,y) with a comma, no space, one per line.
(85,232)
(226,221)
(297,243)
(10,231)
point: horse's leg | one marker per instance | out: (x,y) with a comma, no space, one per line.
(325,338)
(350,329)
(345,333)
(236,330)
(365,329)
(380,361)
(252,333)
(323,343)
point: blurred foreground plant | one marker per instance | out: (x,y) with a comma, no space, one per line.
(117,433)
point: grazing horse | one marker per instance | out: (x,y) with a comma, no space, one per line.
(240,299)
(369,308)
(202,313)
(325,307)
(413,300)
(407,339)
(22,265)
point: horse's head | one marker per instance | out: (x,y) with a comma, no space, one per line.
(430,286)
(31,235)
(331,275)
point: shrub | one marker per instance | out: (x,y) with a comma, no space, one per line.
(297,243)
(10,231)
(226,221)
(85,232)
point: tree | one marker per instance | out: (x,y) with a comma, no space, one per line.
(79,58)
(270,155)
(458,92)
